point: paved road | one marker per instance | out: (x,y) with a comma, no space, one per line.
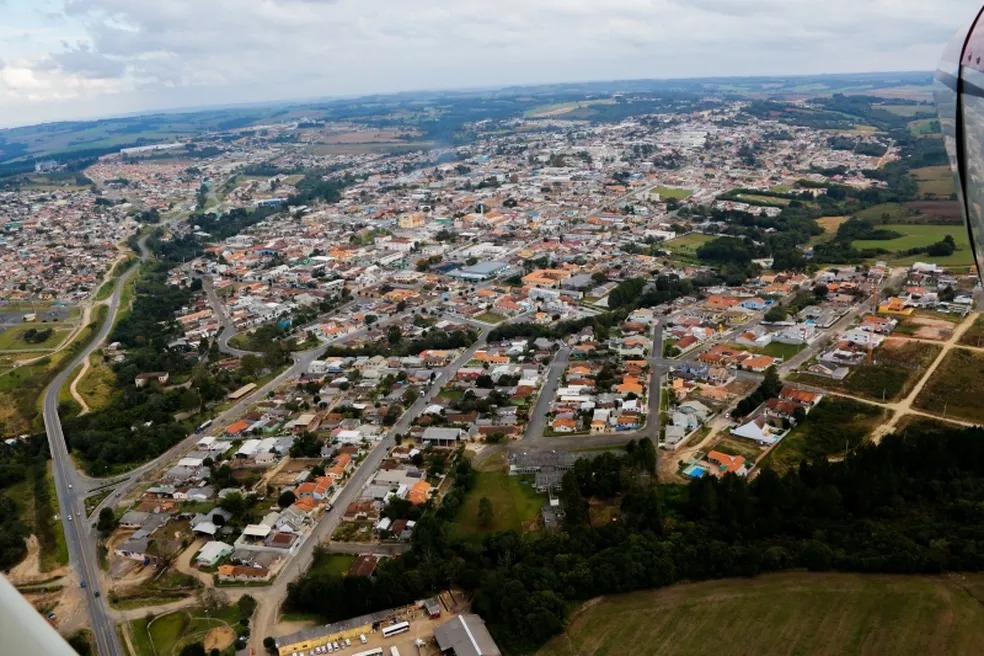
(228,328)
(268,609)
(538,421)
(79,536)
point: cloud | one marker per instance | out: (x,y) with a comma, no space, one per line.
(142,55)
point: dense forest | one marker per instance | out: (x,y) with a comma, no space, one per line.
(912,504)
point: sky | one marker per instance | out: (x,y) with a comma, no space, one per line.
(71,59)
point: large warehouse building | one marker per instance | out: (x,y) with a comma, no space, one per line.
(465,635)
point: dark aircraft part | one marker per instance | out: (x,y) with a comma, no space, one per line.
(959,92)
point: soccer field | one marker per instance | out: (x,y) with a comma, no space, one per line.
(796,613)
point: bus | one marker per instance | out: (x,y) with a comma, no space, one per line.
(395,629)
(203,426)
(378,651)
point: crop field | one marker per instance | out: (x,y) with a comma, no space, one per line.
(897,367)
(688,244)
(795,613)
(937,211)
(954,389)
(515,504)
(934,181)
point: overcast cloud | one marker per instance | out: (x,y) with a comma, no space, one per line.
(64,59)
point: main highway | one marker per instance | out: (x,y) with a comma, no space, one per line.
(79,535)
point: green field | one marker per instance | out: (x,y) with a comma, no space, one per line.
(919,236)
(954,389)
(672,192)
(165,635)
(793,614)
(688,244)
(775,349)
(515,504)
(909,111)
(934,181)
(885,212)
(13,337)
(924,127)
(329,563)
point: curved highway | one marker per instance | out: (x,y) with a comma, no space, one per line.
(79,535)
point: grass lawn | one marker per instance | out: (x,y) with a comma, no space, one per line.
(490,317)
(934,180)
(329,563)
(897,367)
(688,244)
(835,424)
(955,387)
(774,349)
(673,192)
(794,613)
(515,504)
(13,337)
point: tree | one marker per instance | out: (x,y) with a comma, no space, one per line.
(775,313)
(270,644)
(194,649)
(485,512)
(235,503)
(287,498)
(370,319)
(106,522)
(821,291)
(247,605)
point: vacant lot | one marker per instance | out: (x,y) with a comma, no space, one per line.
(97,386)
(934,181)
(948,211)
(802,614)
(830,224)
(923,326)
(893,372)
(688,244)
(955,387)
(836,424)
(515,504)
(765,200)
(974,336)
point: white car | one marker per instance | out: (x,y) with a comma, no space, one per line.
(69,518)
(362,638)
(69,486)
(348,642)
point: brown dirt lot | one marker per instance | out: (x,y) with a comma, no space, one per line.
(219,638)
(831,223)
(930,328)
